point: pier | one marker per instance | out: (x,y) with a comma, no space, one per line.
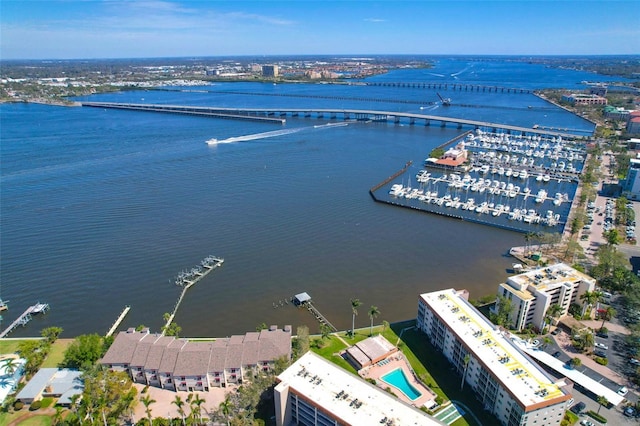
(25,317)
(304,300)
(115,325)
(279,115)
(187,279)
(461,87)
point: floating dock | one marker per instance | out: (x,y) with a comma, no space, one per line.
(186,279)
(38,308)
(115,325)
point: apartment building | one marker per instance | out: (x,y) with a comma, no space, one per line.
(532,293)
(505,380)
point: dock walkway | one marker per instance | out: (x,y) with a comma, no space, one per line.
(319,317)
(25,317)
(190,278)
(115,325)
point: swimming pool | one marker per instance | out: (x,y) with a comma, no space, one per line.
(398,380)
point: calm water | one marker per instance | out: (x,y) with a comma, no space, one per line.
(103,208)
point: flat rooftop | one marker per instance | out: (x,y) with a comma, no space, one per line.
(524,379)
(550,276)
(346,396)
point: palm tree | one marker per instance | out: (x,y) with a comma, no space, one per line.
(57,417)
(225,407)
(373,312)
(602,401)
(576,362)
(589,298)
(10,365)
(607,314)
(354,311)
(325,331)
(180,404)
(197,406)
(147,401)
(467,358)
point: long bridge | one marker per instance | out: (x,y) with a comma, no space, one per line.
(463,87)
(279,115)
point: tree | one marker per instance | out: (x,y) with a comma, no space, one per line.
(385,325)
(606,314)
(354,311)
(196,407)
(554,311)
(51,334)
(10,365)
(107,395)
(301,342)
(179,403)
(589,298)
(226,407)
(502,311)
(57,417)
(576,362)
(373,313)
(602,402)
(85,350)
(612,237)
(466,360)
(325,331)
(147,401)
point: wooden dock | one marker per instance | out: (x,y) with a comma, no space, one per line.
(25,317)
(115,325)
(186,280)
(319,317)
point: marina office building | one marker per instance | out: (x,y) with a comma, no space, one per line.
(532,293)
(505,380)
(186,365)
(314,391)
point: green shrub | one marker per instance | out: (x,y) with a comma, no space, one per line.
(18,405)
(46,402)
(601,361)
(35,405)
(370,380)
(596,416)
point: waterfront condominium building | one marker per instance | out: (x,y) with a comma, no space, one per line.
(184,365)
(270,70)
(531,293)
(505,380)
(631,184)
(314,391)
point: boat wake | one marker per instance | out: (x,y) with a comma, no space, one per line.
(271,134)
(254,136)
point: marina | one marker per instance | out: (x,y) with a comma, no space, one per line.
(501,185)
(25,317)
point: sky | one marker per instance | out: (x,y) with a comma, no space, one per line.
(84,29)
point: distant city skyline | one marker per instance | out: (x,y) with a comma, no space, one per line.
(75,29)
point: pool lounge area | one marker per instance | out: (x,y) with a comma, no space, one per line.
(395,373)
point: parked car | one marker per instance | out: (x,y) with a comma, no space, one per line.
(601,346)
(578,407)
(623,391)
(556,354)
(586,423)
(555,332)
(630,412)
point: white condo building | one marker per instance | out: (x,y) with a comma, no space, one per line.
(313,391)
(506,381)
(532,293)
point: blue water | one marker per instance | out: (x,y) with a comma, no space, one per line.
(397,379)
(102,208)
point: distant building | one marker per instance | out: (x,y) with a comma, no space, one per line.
(270,70)
(531,293)
(613,113)
(504,379)
(313,391)
(183,365)
(633,125)
(598,90)
(631,184)
(453,157)
(584,99)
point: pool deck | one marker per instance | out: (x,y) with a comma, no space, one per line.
(397,360)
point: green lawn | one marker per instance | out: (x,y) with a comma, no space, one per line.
(329,348)
(37,421)
(56,355)
(428,363)
(9,346)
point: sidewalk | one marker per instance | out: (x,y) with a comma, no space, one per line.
(564,342)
